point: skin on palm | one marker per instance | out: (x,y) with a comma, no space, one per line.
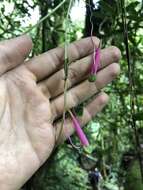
(27,136)
(29,104)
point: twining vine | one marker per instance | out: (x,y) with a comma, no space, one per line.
(131,85)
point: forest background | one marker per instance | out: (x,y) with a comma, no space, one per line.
(116,147)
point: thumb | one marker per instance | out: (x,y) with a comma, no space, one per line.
(13,52)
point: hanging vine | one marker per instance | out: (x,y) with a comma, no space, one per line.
(132,120)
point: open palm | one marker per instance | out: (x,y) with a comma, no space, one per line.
(31,100)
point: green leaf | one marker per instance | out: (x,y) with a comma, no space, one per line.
(138,116)
(79,110)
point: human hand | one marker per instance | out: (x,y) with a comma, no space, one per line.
(31,98)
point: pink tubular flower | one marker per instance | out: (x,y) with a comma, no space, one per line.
(79,131)
(95,65)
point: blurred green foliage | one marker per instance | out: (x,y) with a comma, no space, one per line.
(110,133)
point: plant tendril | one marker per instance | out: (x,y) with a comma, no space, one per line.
(45,17)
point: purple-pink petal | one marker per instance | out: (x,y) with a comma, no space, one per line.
(79,131)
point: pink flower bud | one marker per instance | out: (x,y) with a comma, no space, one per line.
(95,65)
(79,131)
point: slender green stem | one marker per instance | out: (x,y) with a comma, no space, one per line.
(66,64)
(46,16)
(66,59)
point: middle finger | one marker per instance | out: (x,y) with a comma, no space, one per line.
(84,90)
